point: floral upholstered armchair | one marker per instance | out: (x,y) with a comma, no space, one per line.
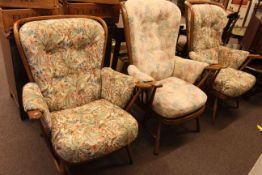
(82,106)
(205,24)
(151,28)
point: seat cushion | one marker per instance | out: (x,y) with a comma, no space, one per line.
(233,83)
(92,130)
(177,98)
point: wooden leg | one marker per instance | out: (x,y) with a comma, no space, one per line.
(157,139)
(60,167)
(237,102)
(197,125)
(214,110)
(128,149)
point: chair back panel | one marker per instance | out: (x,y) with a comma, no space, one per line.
(153,28)
(65,57)
(207,28)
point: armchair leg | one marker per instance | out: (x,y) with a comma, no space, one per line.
(237,103)
(157,139)
(197,125)
(214,110)
(60,167)
(128,149)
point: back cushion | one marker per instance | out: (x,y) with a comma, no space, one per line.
(65,57)
(154,26)
(209,22)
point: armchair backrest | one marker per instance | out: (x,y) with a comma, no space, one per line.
(64,56)
(205,24)
(151,28)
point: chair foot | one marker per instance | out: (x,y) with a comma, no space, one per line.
(197,125)
(128,149)
(214,110)
(157,139)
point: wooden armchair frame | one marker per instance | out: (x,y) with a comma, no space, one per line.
(61,164)
(190,23)
(152,87)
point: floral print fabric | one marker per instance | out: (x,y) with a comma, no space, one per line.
(209,56)
(116,87)
(92,130)
(231,58)
(188,70)
(138,75)
(233,82)
(209,22)
(34,100)
(177,98)
(154,26)
(65,60)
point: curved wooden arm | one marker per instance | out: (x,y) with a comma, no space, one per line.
(255,56)
(148,85)
(34,114)
(214,67)
(249,59)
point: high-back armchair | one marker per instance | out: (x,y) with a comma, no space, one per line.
(205,23)
(83,107)
(151,28)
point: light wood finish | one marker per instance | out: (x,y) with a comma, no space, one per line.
(149,91)
(9,16)
(61,164)
(98,1)
(101,10)
(42,4)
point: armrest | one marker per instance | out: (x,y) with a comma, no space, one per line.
(188,70)
(138,75)
(117,87)
(231,57)
(214,67)
(34,103)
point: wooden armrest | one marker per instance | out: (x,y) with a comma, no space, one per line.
(148,85)
(34,114)
(255,56)
(215,67)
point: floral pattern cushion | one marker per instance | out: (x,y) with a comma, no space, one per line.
(209,56)
(92,130)
(65,60)
(188,70)
(233,82)
(177,98)
(209,22)
(138,75)
(154,26)
(34,100)
(231,58)
(116,87)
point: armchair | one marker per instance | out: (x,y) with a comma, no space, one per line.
(83,108)
(151,29)
(205,23)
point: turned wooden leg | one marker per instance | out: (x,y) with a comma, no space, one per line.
(197,125)
(214,110)
(128,149)
(157,139)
